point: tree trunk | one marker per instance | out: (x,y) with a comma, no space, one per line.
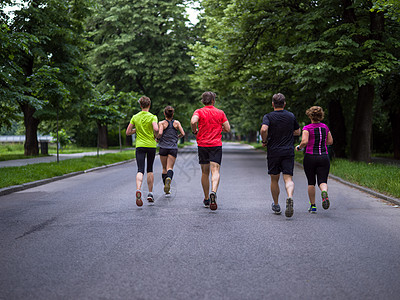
(252,137)
(103,136)
(362,129)
(395,121)
(31,146)
(337,126)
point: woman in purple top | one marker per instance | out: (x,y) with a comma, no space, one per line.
(316,136)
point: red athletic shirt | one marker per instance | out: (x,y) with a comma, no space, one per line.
(210,126)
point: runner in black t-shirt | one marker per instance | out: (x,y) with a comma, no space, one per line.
(277,132)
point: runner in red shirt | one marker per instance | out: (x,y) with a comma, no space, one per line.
(207,124)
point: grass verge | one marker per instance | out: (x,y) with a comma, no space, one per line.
(18,175)
(378,177)
(10,151)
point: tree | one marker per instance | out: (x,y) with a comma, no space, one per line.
(52,70)
(141,46)
(11,44)
(104,110)
(330,53)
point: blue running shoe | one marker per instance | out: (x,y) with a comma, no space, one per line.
(276,208)
(312,209)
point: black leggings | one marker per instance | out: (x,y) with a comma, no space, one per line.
(316,165)
(141,153)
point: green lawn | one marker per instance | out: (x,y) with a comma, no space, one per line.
(379,177)
(10,151)
(18,175)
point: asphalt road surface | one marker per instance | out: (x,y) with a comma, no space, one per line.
(85,238)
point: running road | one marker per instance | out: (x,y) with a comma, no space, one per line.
(84,238)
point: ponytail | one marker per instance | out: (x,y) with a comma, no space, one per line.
(169,112)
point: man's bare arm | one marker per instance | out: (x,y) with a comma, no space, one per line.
(193,123)
(226,127)
(264,134)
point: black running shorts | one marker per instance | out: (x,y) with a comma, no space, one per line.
(316,166)
(141,153)
(281,164)
(207,154)
(166,152)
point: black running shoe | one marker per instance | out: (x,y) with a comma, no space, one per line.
(325,199)
(206,203)
(150,198)
(213,201)
(289,207)
(276,208)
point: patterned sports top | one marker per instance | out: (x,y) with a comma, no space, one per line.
(169,139)
(318,133)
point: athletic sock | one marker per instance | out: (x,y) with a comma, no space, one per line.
(170,174)
(164,176)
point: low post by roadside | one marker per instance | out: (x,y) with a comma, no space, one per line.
(44,147)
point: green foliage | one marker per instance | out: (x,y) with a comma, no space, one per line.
(104,108)
(63,138)
(43,58)
(311,51)
(141,46)
(11,44)
(391,7)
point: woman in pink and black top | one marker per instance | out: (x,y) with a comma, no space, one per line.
(316,136)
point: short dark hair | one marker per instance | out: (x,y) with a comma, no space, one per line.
(144,102)
(208,97)
(278,100)
(169,111)
(315,113)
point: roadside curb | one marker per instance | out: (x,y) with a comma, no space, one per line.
(28,185)
(367,190)
(362,188)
